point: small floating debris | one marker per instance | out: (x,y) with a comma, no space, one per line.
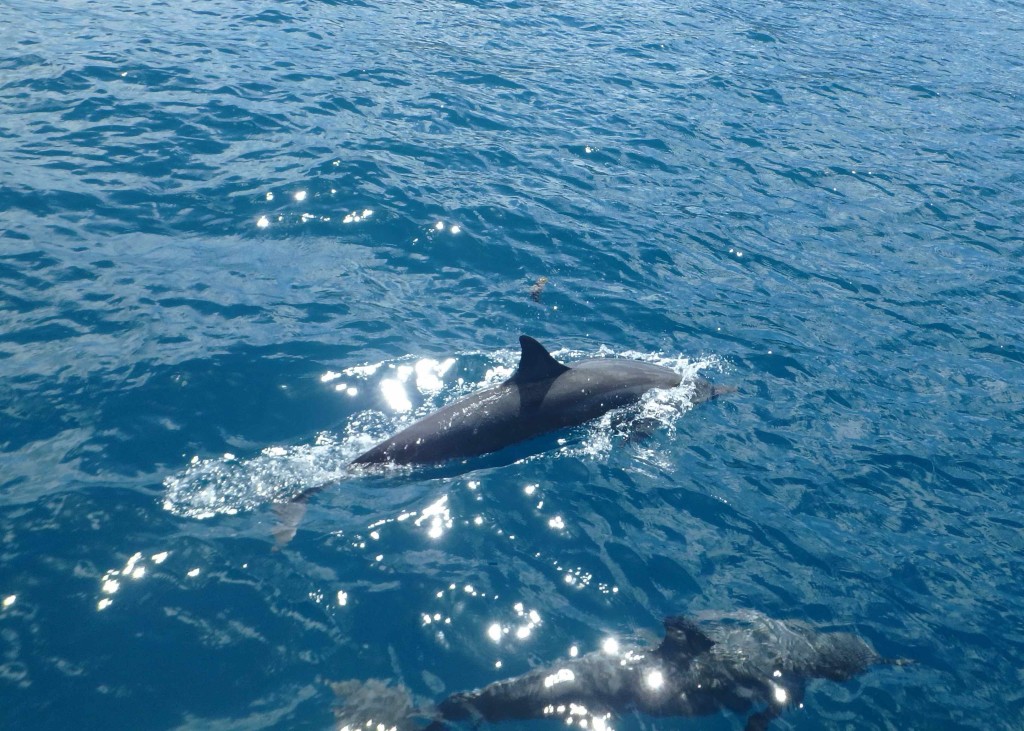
(538,288)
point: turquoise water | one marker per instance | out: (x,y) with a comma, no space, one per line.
(240,242)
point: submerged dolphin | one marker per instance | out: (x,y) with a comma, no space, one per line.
(738,661)
(541,396)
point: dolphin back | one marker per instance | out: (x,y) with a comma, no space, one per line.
(542,396)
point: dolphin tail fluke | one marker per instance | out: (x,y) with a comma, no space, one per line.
(289,516)
(376,704)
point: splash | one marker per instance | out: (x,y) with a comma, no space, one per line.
(658,411)
(228,485)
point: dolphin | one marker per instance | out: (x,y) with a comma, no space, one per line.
(542,395)
(738,661)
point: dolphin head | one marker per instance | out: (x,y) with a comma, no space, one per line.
(840,656)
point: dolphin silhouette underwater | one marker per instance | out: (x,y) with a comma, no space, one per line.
(542,395)
(737,661)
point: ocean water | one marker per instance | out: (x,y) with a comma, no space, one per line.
(240,242)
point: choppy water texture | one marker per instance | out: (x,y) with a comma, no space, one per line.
(216,219)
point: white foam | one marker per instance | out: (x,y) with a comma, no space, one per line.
(215,486)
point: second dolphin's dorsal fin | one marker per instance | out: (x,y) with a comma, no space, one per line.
(684,637)
(535,363)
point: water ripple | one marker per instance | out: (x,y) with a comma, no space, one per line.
(827,198)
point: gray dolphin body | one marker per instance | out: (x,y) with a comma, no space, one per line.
(738,661)
(541,396)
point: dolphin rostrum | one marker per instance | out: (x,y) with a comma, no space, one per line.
(737,661)
(541,396)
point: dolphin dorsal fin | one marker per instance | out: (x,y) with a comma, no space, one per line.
(535,363)
(683,636)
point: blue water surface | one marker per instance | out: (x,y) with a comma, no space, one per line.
(241,241)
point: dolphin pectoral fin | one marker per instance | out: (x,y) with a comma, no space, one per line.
(706,390)
(535,363)
(636,430)
(289,516)
(760,721)
(684,637)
